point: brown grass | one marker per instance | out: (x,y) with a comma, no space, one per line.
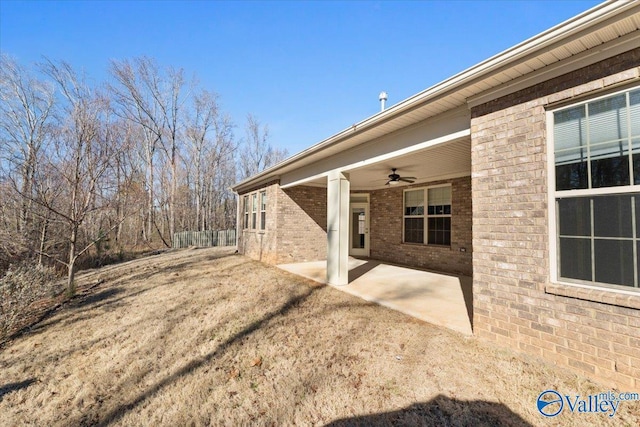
(205,337)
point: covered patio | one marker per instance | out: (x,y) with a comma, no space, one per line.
(365,208)
(440,299)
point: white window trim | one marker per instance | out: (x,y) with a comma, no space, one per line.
(248,213)
(254,211)
(261,204)
(552,195)
(246,220)
(425,216)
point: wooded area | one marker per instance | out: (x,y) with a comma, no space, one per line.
(101,169)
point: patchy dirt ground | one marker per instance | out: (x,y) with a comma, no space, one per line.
(206,337)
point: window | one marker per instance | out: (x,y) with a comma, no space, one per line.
(246,211)
(597,190)
(414,216)
(254,210)
(263,210)
(437,216)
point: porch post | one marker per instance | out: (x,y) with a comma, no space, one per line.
(338,228)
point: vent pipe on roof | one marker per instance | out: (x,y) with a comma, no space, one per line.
(383,98)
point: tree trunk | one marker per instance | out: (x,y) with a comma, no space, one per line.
(172,194)
(43,239)
(71,286)
(150,205)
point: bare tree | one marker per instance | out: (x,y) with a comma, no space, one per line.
(26,104)
(128,179)
(84,149)
(210,138)
(154,100)
(139,107)
(80,168)
(258,154)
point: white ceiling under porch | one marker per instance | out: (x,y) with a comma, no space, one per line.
(448,160)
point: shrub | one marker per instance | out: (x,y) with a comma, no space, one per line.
(22,285)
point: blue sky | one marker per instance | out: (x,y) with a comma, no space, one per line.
(307,69)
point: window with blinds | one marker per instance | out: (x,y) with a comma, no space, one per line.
(597,190)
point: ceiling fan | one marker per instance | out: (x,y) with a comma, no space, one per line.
(394,178)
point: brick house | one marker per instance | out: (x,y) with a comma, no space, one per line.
(526,177)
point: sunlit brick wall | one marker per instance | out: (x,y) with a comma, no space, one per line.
(593,332)
(295,227)
(302,224)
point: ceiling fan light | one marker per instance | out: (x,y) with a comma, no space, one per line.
(392,182)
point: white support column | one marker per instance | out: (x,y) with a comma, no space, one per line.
(338,228)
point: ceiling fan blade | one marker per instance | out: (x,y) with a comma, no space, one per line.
(406,180)
(410,177)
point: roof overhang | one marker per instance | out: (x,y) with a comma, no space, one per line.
(604,31)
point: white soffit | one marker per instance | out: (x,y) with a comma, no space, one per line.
(562,60)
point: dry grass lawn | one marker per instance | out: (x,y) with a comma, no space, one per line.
(206,337)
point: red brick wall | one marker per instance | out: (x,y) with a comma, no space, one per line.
(594,332)
(386,231)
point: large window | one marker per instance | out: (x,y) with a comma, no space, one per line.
(597,190)
(437,216)
(255,211)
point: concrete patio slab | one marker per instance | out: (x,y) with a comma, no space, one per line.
(441,299)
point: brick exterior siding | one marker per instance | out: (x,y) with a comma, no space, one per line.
(386,230)
(295,227)
(591,331)
(260,244)
(302,224)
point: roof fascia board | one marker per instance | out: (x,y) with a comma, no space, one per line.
(253,184)
(583,59)
(505,59)
(592,20)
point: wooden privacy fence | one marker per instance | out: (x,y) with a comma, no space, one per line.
(207,238)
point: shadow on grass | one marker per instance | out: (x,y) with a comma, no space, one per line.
(8,388)
(441,411)
(95,299)
(117,413)
(91,300)
(163,267)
